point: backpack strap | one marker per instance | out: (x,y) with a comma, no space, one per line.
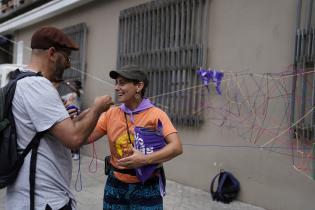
(35,144)
(11,86)
(222,179)
(214,193)
(4,123)
(18,74)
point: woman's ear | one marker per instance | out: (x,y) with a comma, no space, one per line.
(140,86)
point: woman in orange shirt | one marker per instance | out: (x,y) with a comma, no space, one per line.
(125,188)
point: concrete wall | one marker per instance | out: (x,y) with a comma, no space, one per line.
(252,35)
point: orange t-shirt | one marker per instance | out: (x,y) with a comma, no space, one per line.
(113,124)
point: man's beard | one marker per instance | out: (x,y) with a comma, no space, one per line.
(59,72)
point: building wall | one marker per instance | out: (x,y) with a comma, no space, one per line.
(245,35)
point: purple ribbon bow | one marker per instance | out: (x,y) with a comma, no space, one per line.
(211,75)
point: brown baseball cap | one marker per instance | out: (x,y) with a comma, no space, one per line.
(49,36)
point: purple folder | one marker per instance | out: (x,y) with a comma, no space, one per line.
(148,141)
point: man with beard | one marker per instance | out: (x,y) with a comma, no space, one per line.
(37,107)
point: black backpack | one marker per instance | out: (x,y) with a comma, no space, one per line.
(11,159)
(228,187)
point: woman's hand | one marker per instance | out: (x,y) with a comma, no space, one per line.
(170,151)
(136,160)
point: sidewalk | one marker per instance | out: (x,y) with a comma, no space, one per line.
(179,197)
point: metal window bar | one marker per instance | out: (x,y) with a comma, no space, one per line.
(303,64)
(78,34)
(303,83)
(168,39)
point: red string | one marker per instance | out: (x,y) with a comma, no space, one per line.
(94,158)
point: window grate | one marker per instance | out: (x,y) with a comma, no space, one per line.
(304,79)
(168,39)
(76,72)
(303,89)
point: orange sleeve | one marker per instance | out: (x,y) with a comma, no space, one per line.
(168,127)
(101,125)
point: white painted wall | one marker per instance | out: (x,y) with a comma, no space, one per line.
(252,35)
(20,52)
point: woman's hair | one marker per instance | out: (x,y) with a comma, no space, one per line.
(137,82)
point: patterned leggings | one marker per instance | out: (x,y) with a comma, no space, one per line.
(139,196)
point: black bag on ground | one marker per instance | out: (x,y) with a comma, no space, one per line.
(228,187)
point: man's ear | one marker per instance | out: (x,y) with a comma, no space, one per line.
(51,53)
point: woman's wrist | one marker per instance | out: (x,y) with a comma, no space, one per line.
(148,159)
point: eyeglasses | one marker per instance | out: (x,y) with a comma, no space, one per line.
(65,55)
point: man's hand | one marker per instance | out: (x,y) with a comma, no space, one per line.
(73,111)
(103,103)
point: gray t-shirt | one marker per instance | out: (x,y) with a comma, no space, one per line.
(37,107)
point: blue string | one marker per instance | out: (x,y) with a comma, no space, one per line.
(78,189)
